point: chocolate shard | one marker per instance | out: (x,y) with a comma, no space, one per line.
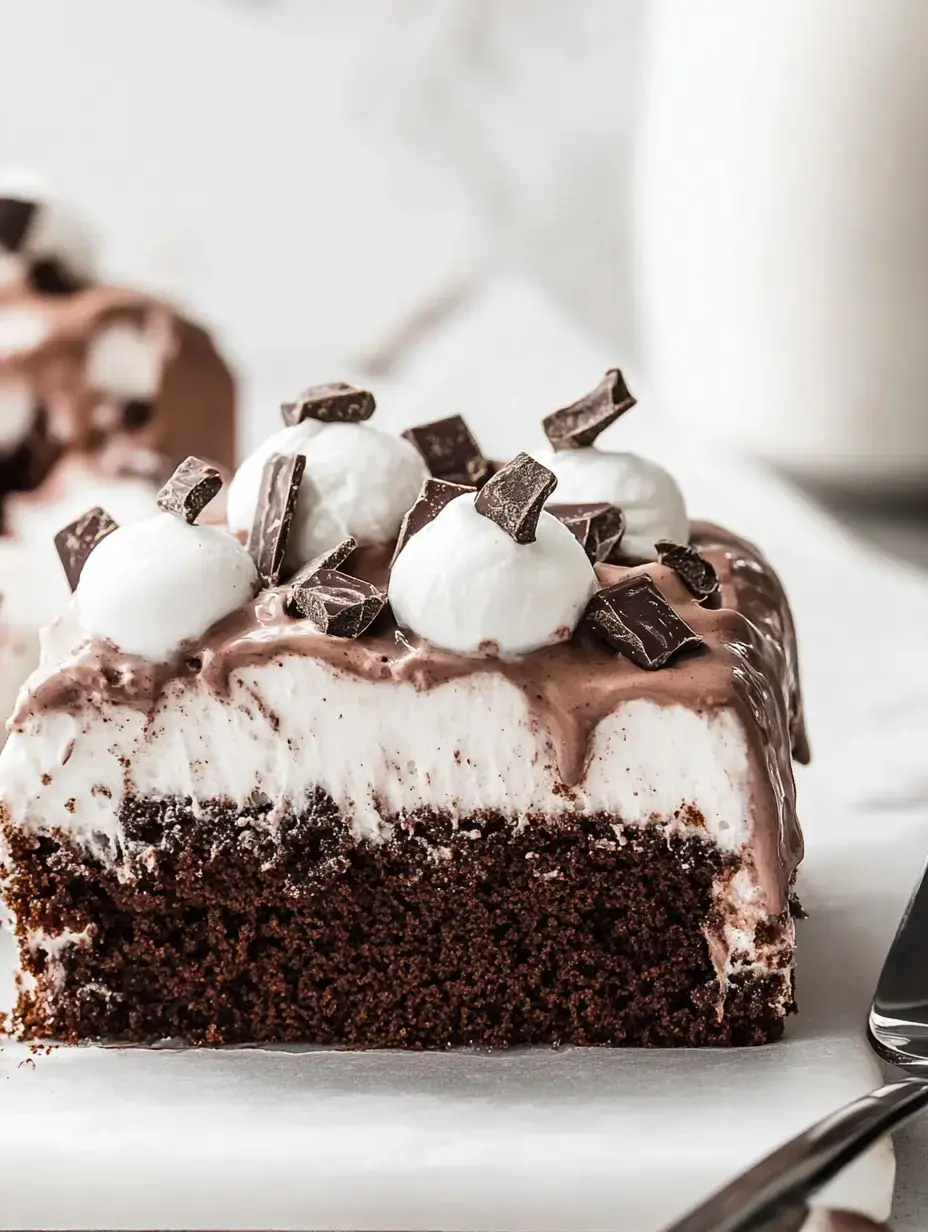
(280,487)
(78,540)
(693,570)
(598,527)
(578,425)
(338,604)
(15,218)
(515,496)
(336,402)
(190,489)
(450,451)
(634,617)
(334,558)
(52,277)
(433,496)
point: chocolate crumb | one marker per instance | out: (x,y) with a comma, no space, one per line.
(337,604)
(693,570)
(280,487)
(335,402)
(578,425)
(433,496)
(634,618)
(450,451)
(597,527)
(515,497)
(79,538)
(190,489)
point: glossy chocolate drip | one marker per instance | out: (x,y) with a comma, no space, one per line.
(569,687)
(758,593)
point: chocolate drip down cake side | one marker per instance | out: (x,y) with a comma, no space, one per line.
(421,751)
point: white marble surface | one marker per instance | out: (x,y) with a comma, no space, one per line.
(538,1140)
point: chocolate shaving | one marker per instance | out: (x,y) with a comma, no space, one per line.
(515,497)
(334,558)
(336,402)
(634,617)
(578,425)
(337,604)
(52,277)
(190,489)
(280,487)
(693,570)
(15,217)
(450,451)
(433,496)
(598,528)
(78,540)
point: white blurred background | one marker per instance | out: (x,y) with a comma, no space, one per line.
(730,199)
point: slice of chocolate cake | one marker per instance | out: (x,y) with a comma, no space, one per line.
(512,794)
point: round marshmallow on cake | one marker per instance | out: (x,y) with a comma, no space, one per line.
(646,493)
(464,584)
(153,585)
(358,482)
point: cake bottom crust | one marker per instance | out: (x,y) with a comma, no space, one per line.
(221,927)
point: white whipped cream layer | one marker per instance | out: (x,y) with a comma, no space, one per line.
(378,748)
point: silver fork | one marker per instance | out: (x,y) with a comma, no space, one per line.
(773,1196)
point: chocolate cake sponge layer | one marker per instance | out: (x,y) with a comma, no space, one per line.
(230,930)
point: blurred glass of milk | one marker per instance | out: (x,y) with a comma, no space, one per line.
(783,216)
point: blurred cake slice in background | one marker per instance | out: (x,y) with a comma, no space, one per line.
(103,390)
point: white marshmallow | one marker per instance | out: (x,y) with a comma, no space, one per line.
(21,330)
(17,412)
(647,494)
(150,586)
(358,481)
(462,583)
(124,362)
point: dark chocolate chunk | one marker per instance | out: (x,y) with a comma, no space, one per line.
(515,497)
(336,402)
(78,540)
(280,487)
(52,277)
(136,413)
(15,217)
(635,618)
(334,558)
(450,451)
(599,528)
(190,489)
(433,496)
(578,425)
(693,570)
(338,604)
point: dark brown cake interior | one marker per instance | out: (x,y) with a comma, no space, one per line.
(230,931)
